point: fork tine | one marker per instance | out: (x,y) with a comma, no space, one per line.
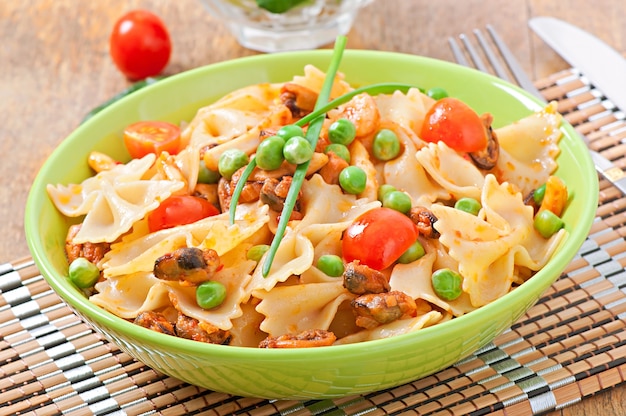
(491,56)
(516,69)
(458,54)
(478,62)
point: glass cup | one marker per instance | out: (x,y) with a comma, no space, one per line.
(308,25)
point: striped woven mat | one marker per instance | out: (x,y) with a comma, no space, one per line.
(570,345)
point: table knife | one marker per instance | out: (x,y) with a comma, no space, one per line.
(601,64)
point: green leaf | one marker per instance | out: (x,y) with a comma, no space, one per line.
(278,6)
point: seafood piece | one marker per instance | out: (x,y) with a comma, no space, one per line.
(274,192)
(361,279)
(306,339)
(488,157)
(298,99)
(363,112)
(188,265)
(155,321)
(94,252)
(226,188)
(374,309)
(330,171)
(191,328)
(424,219)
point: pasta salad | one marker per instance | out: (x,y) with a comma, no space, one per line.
(412,211)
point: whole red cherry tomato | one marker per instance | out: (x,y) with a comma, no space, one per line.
(180,210)
(155,137)
(452,121)
(378,238)
(140,44)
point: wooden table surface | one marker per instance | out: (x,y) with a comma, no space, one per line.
(55,67)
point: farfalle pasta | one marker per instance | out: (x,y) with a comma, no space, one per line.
(155,257)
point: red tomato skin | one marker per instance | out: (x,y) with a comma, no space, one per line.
(455,123)
(180,210)
(145,137)
(140,44)
(378,238)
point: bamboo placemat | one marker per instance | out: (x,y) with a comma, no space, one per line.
(570,345)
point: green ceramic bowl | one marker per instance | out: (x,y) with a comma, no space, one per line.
(301,373)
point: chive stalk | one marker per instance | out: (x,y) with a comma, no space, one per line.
(312,135)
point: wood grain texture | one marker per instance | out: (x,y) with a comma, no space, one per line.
(55,67)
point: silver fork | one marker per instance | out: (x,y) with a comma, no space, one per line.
(506,55)
(503,62)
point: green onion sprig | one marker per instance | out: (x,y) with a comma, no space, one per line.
(312,135)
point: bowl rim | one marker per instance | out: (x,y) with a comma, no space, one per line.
(77,301)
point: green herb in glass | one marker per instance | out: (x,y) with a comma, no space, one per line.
(278,6)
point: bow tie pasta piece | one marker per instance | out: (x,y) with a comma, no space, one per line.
(313,79)
(405,172)
(112,200)
(127,296)
(451,170)
(407,110)
(528,149)
(414,280)
(292,309)
(231,116)
(488,247)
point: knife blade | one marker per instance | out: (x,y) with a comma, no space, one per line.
(600,63)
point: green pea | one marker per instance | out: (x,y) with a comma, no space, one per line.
(83,273)
(340,150)
(231,161)
(269,153)
(289,131)
(437,93)
(206,175)
(331,265)
(397,200)
(547,223)
(415,252)
(342,131)
(256,252)
(298,150)
(210,294)
(447,284)
(385,189)
(469,205)
(353,179)
(539,194)
(386,145)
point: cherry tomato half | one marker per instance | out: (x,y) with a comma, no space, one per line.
(378,238)
(155,137)
(452,121)
(140,44)
(180,210)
